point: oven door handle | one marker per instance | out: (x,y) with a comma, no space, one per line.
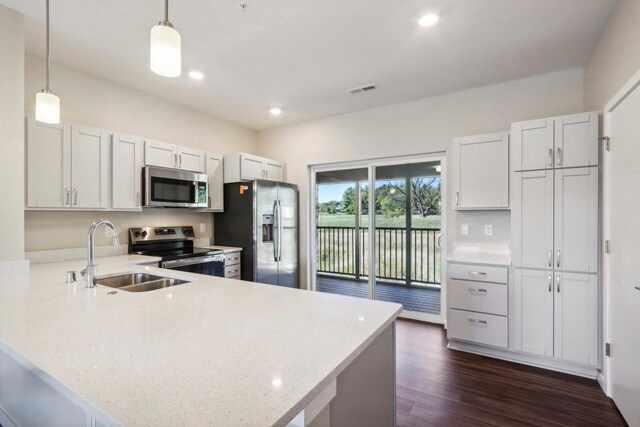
(192,261)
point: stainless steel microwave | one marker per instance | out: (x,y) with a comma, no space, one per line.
(172,188)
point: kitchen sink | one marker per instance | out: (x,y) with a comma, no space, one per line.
(139,282)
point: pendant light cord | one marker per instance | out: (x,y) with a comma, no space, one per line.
(48,56)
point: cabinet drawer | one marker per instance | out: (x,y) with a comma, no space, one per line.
(232,270)
(479,273)
(478,296)
(478,327)
(232,259)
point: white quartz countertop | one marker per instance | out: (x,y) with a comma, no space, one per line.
(213,351)
(490,254)
(226,249)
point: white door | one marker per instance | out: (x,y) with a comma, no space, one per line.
(532,145)
(274,171)
(576,317)
(622,228)
(576,140)
(483,165)
(576,220)
(126,172)
(160,154)
(89,153)
(48,165)
(533,311)
(215,171)
(191,160)
(532,219)
(251,167)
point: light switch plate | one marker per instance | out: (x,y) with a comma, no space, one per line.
(464,229)
(488,230)
(203,227)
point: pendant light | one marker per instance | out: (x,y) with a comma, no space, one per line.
(47,104)
(166,47)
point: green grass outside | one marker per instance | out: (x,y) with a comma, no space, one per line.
(343,220)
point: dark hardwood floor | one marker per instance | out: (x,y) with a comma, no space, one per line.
(441,387)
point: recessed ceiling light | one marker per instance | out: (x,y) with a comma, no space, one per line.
(275,111)
(428,20)
(196,75)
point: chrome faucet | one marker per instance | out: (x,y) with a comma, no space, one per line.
(90,271)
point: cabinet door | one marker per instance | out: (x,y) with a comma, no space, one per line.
(576,140)
(89,162)
(191,160)
(533,311)
(274,171)
(48,165)
(532,145)
(215,171)
(251,167)
(126,172)
(484,172)
(576,317)
(576,220)
(160,154)
(532,219)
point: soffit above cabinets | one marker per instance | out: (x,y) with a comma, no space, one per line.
(303,56)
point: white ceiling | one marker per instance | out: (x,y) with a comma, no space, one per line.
(302,55)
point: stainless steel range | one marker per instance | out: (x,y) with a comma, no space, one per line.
(174,245)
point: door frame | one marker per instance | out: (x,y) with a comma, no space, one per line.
(371,164)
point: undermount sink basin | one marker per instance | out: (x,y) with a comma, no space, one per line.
(138,282)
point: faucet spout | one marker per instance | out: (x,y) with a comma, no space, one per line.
(90,270)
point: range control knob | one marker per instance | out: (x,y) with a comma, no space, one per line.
(144,234)
(136,234)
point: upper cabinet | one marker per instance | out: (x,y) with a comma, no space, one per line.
(126,159)
(215,172)
(560,142)
(246,167)
(66,166)
(173,156)
(480,174)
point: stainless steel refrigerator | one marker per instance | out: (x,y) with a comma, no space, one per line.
(261,217)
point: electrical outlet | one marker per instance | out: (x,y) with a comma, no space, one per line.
(108,232)
(464,229)
(488,230)
(203,227)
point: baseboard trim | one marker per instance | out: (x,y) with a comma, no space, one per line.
(526,359)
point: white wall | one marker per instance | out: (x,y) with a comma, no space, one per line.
(616,57)
(94,101)
(11,135)
(422,126)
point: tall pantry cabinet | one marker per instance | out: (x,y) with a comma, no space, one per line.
(555,225)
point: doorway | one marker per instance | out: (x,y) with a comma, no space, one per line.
(391,209)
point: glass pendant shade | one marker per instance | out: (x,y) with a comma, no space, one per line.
(47,108)
(166,51)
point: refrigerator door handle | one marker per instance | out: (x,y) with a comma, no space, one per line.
(275,226)
(278,219)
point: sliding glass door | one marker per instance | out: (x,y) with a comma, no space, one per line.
(393,230)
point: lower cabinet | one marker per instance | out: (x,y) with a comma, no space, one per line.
(478,327)
(232,265)
(556,315)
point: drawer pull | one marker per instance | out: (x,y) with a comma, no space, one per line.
(480,290)
(478,321)
(477,273)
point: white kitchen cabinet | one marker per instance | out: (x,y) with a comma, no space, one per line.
(533,311)
(481,172)
(559,142)
(66,166)
(215,172)
(532,218)
(576,317)
(247,167)
(166,155)
(126,182)
(576,220)
(48,165)
(89,162)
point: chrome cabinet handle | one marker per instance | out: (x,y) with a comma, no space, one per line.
(137,198)
(180,157)
(558,258)
(483,322)
(477,273)
(471,290)
(209,202)
(75,197)
(550,257)
(558,284)
(550,156)
(559,157)
(457,198)
(67,196)
(550,281)
(175,160)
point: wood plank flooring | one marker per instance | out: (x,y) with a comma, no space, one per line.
(441,387)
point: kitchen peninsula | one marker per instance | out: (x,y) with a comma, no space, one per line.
(213,351)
